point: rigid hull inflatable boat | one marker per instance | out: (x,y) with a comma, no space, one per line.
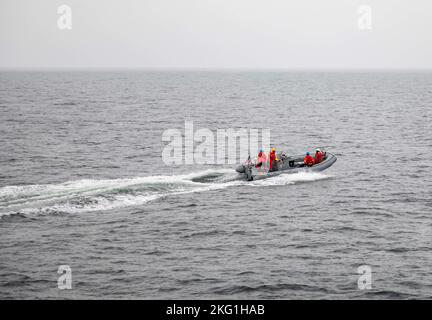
(285,165)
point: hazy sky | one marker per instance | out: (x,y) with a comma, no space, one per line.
(216,34)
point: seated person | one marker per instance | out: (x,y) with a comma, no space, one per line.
(318,156)
(308,160)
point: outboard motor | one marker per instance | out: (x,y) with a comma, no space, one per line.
(246,168)
(248,173)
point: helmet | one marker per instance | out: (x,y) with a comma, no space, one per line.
(307,153)
(261,150)
(273,149)
(318,150)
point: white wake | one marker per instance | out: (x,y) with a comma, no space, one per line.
(100,195)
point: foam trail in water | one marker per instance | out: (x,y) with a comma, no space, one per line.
(95,195)
(99,195)
(290,178)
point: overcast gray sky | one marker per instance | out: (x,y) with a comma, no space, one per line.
(311,34)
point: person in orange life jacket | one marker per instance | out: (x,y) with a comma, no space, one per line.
(262,159)
(308,160)
(318,156)
(272,159)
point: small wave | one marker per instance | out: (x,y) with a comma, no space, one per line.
(204,234)
(271,288)
(66,103)
(390,294)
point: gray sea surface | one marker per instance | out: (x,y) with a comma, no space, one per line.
(82,183)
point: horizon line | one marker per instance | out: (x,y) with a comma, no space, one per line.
(209,69)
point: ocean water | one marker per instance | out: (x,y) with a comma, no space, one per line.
(82,184)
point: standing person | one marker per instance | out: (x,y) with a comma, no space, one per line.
(308,160)
(262,158)
(272,159)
